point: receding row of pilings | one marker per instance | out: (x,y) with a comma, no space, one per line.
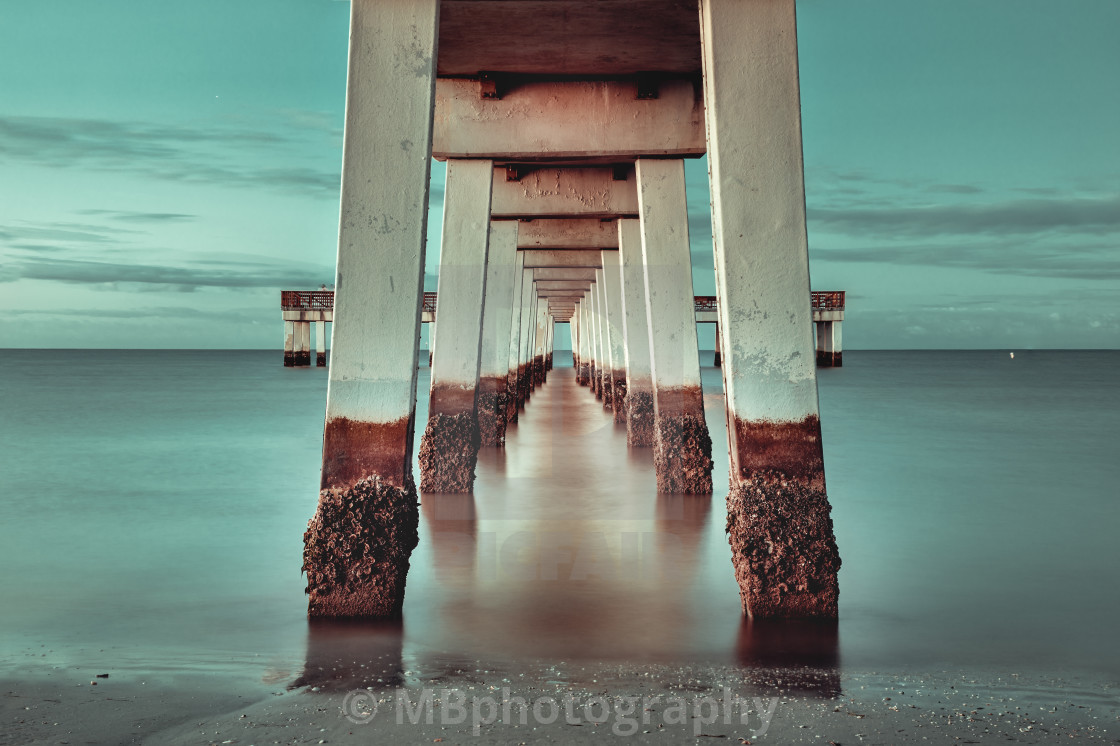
(565,193)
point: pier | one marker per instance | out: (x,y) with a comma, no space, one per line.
(565,202)
(317,306)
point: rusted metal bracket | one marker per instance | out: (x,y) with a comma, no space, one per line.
(649,85)
(488,86)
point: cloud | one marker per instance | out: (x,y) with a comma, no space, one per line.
(141,217)
(148,312)
(1100,261)
(247,275)
(215,155)
(1018,217)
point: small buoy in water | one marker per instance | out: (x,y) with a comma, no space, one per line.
(1012,355)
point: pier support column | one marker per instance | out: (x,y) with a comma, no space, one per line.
(320,343)
(639,377)
(501,282)
(514,351)
(289,344)
(367,498)
(583,373)
(612,291)
(573,325)
(606,389)
(531,351)
(682,445)
(303,343)
(717,358)
(779,523)
(540,341)
(595,369)
(524,337)
(550,331)
(449,448)
(829,353)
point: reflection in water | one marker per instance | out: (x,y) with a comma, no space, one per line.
(453,524)
(796,655)
(575,555)
(345,655)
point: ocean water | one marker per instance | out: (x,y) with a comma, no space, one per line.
(152,505)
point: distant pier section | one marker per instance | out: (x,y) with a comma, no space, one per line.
(301,308)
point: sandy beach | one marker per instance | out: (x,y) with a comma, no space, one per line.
(348,704)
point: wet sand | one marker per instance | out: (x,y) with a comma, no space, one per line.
(343,708)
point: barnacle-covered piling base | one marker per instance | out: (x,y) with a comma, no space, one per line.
(682,446)
(492,410)
(618,396)
(639,418)
(448,453)
(356,550)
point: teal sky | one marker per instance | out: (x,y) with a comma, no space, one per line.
(166,168)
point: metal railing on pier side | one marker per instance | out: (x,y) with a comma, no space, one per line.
(323,300)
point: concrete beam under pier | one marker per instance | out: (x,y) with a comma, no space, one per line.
(586,274)
(542,258)
(584,120)
(567,192)
(567,233)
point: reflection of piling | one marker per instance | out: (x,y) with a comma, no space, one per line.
(800,656)
(344,655)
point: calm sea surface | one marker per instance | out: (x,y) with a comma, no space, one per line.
(152,504)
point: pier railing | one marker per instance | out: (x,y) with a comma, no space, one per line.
(828,300)
(307,300)
(323,300)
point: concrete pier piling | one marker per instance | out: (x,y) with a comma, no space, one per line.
(514,351)
(540,342)
(828,317)
(524,338)
(320,343)
(493,377)
(612,293)
(594,370)
(682,445)
(639,377)
(449,447)
(779,519)
(605,389)
(302,354)
(583,372)
(717,356)
(289,343)
(357,545)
